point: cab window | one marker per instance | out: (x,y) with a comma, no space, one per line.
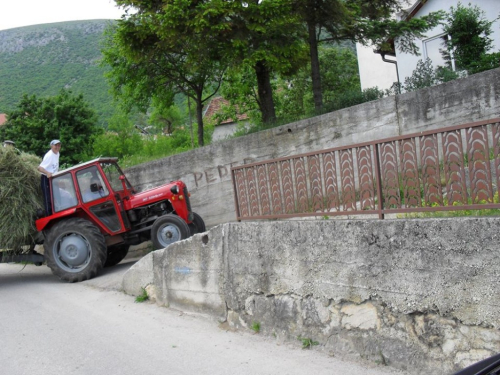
(91,184)
(113,173)
(63,192)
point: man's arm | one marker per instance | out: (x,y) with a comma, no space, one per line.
(44,171)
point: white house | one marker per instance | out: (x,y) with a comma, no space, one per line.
(374,71)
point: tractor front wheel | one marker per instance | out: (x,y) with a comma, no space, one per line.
(197,225)
(168,229)
(75,250)
(116,254)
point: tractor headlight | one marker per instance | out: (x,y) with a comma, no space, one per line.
(174,189)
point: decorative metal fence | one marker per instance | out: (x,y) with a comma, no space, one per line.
(454,168)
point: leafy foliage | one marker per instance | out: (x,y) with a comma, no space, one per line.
(307,343)
(142,297)
(294,99)
(469,43)
(255,327)
(120,140)
(364,21)
(155,54)
(354,97)
(132,148)
(67,117)
(470,39)
(339,75)
(192,42)
(423,76)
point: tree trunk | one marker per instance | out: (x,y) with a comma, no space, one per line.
(265,92)
(315,76)
(199,118)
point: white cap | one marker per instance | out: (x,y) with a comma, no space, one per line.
(55,142)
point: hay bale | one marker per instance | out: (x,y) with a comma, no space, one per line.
(20,197)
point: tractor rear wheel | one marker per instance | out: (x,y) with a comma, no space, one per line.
(168,229)
(75,250)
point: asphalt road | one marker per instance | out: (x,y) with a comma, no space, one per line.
(50,327)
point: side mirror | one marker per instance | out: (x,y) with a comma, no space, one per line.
(94,188)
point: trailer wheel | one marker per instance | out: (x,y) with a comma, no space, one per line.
(75,250)
(197,225)
(116,254)
(168,229)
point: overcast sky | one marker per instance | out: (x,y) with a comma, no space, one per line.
(18,13)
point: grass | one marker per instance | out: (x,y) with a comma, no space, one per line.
(457,213)
(142,297)
(307,343)
(255,327)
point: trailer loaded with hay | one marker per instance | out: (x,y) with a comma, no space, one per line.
(96,215)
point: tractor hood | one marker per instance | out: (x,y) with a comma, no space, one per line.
(173,191)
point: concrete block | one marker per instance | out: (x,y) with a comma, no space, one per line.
(139,276)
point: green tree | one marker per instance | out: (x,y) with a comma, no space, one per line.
(155,54)
(334,22)
(36,121)
(339,74)
(122,138)
(470,39)
(266,37)
(424,75)
(365,21)
(293,95)
(165,119)
(240,89)
(263,35)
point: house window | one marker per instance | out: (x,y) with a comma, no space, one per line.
(435,49)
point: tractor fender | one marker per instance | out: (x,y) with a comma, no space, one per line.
(42,223)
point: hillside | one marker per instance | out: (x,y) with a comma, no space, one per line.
(42,59)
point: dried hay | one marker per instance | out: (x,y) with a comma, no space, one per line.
(20,197)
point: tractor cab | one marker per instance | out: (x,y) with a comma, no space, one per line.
(96,190)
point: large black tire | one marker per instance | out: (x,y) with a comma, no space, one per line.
(75,250)
(168,229)
(197,225)
(116,254)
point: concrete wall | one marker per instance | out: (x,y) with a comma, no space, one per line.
(206,170)
(421,295)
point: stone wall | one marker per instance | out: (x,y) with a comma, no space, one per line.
(420,295)
(206,170)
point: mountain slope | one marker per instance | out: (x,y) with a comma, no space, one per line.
(43,59)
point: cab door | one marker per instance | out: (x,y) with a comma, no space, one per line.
(98,200)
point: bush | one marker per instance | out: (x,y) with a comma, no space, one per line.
(355,97)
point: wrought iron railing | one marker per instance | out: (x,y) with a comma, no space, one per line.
(454,168)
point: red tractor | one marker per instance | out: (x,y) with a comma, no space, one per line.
(97,215)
